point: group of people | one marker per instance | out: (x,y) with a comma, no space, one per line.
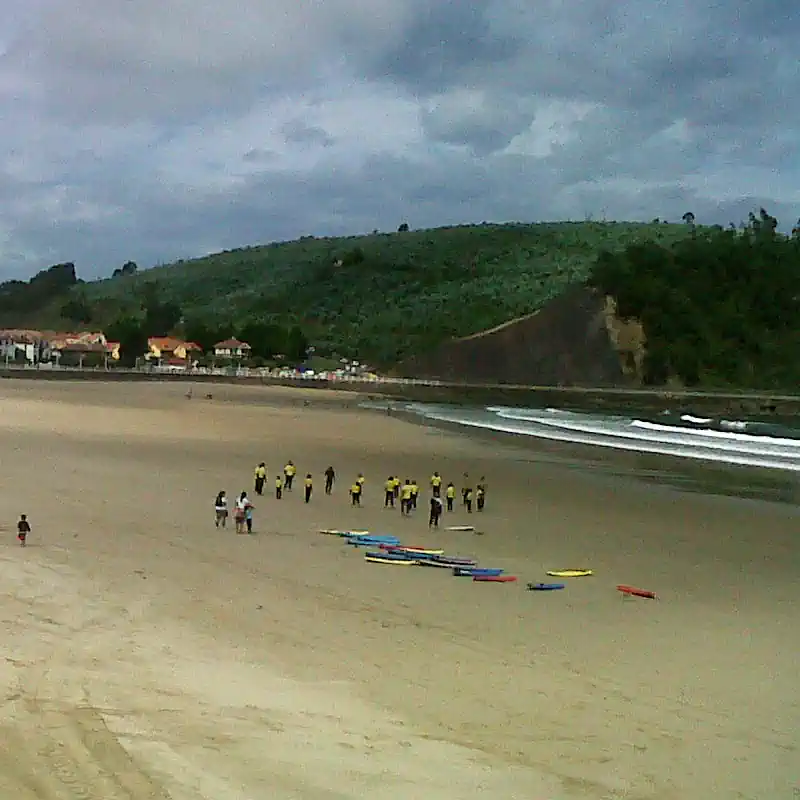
(406,493)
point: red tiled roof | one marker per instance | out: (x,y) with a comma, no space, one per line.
(232,344)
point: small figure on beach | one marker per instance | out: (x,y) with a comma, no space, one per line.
(450,495)
(466,488)
(436,484)
(309,485)
(355,493)
(278,487)
(330,477)
(405,498)
(468,500)
(260,478)
(414,492)
(289,471)
(480,494)
(360,480)
(436,512)
(243,515)
(23,529)
(221,510)
(388,501)
(396,487)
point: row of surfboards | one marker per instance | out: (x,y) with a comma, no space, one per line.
(389,550)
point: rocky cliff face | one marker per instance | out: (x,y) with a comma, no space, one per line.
(575,340)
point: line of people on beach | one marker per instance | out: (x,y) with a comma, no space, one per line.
(396,492)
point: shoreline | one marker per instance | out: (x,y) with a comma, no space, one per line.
(672,472)
(757,405)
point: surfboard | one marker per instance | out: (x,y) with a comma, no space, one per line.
(459,528)
(570,573)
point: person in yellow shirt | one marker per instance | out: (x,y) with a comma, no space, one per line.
(355,494)
(480,494)
(414,492)
(389,487)
(450,495)
(260,478)
(278,487)
(436,484)
(396,487)
(405,497)
(309,485)
(360,480)
(289,471)
(468,499)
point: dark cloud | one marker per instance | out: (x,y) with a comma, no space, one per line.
(163,129)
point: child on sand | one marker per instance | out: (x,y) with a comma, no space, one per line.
(23,529)
(309,485)
(221,510)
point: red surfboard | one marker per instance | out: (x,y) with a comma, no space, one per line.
(494,578)
(632,590)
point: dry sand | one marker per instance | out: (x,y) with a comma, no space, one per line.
(148,655)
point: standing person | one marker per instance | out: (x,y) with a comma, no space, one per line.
(23,529)
(330,477)
(468,500)
(396,487)
(466,488)
(360,480)
(436,512)
(436,484)
(278,488)
(388,501)
(355,493)
(248,516)
(480,494)
(239,512)
(405,498)
(414,492)
(221,510)
(260,478)
(309,485)
(289,471)
(450,495)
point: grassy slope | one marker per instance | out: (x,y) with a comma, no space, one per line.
(410,291)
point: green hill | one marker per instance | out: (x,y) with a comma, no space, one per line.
(380,297)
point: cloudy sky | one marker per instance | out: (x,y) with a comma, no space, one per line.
(159,129)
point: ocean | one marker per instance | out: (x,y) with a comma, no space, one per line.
(747,443)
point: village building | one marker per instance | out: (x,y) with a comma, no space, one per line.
(232,348)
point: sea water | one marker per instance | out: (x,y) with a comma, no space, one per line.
(741,442)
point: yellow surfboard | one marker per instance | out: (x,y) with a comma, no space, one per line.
(402,562)
(421,551)
(570,573)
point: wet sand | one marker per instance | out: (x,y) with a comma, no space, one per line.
(149,655)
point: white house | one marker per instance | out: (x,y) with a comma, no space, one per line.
(24,346)
(232,348)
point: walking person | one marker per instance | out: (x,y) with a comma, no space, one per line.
(309,485)
(221,510)
(330,477)
(436,512)
(414,492)
(23,529)
(260,478)
(244,514)
(405,498)
(355,494)
(436,484)
(466,488)
(388,500)
(468,500)
(278,488)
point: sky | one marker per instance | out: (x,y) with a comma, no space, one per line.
(152,130)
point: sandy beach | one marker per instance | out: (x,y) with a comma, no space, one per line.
(149,655)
